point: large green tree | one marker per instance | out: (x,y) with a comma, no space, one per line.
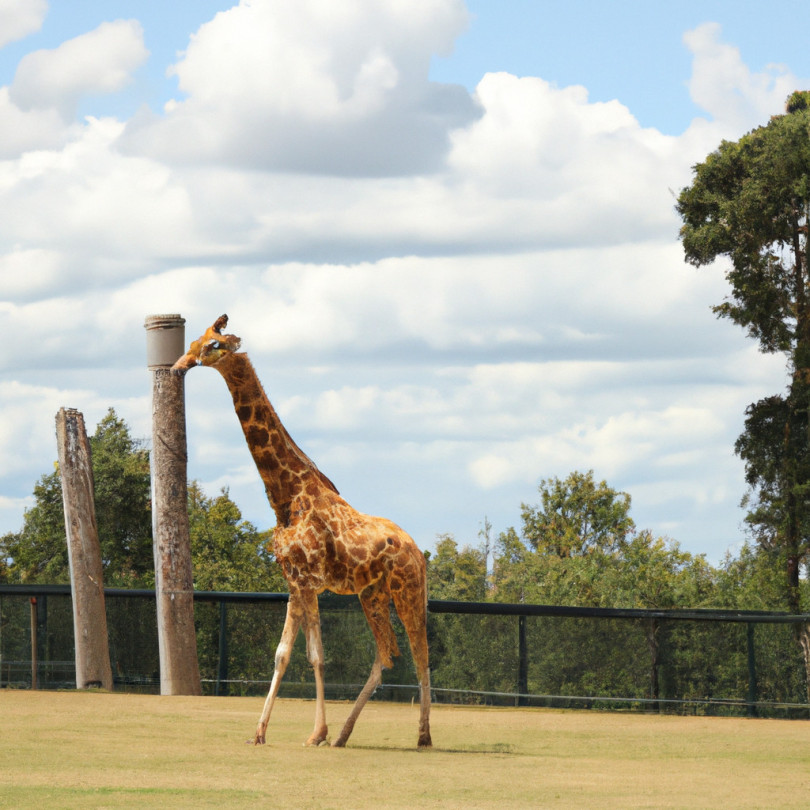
(749,203)
(580,547)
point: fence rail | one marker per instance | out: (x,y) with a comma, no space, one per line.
(338,601)
(719,661)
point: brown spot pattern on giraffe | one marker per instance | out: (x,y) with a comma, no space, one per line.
(257,436)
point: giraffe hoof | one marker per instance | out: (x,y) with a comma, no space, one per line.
(257,740)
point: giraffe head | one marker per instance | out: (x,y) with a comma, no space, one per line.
(208,349)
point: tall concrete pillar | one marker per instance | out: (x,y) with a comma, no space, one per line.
(174,590)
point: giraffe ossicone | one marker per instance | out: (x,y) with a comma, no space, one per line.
(322,543)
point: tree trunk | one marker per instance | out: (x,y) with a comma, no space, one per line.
(84,553)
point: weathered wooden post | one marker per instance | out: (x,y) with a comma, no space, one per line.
(174,590)
(92,651)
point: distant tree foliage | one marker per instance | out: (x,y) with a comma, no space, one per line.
(577,516)
(228,553)
(580,546)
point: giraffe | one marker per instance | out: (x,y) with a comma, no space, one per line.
(322,543)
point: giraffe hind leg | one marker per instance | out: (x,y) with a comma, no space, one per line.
(413,615)
(374,600)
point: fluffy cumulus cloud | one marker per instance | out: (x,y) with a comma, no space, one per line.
(314,87)
(22,130)
(448,295)
(19,18)
(98,62)
(37,108)
(724,86)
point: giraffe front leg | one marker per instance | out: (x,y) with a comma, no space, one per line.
(291,624)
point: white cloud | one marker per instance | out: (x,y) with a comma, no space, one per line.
(19,18)
(314,87)
(98,62)
(724,86)
(101,217)
(25,404)
(26,274)
(22,131)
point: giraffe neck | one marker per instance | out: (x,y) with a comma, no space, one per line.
(284,468)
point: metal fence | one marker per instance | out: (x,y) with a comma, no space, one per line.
(685,661)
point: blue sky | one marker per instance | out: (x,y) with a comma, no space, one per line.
(445,232)
(628,50)
(166,31)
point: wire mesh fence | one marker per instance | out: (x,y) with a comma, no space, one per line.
(700,662)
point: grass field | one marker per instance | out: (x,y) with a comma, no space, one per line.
(94,750)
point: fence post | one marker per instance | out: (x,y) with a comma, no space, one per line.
(91,646)
(174,588)
(753,695)
(34,657)
(222,667)
(523,663)
(653,644)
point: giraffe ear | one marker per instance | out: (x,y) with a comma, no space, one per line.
(220,323)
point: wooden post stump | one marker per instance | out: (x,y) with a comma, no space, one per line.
(84,553)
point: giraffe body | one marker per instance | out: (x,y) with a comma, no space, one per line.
(322,543)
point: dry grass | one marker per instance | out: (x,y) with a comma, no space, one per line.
(82,750)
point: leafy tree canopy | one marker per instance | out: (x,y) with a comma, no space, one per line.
(749,201)
(228,553)
(577,516)
(457,574)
